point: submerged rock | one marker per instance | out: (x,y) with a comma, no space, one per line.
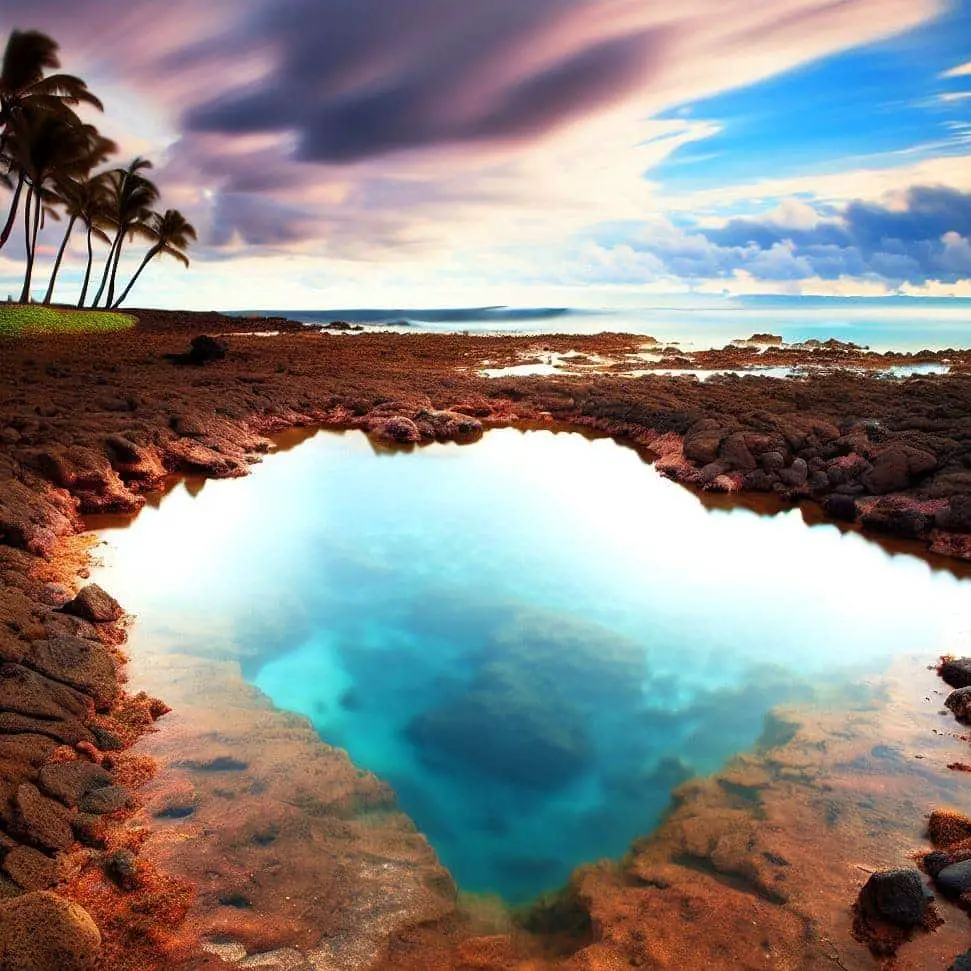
(896,896)
(955,880)
(43,932)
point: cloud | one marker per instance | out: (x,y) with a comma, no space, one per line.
(962,70)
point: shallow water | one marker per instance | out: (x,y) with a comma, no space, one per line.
(533,639)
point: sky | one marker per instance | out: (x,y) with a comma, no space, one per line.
(341,153)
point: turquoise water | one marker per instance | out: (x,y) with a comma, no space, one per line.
(533,638)
(880,323)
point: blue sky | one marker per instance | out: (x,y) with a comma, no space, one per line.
(468,152)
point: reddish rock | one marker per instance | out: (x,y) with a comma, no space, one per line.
(397,429)
(736,453)
(702,441)
(897,467)
(41,820)
(70,782)
(959,702)
(83,664)
(43,932)
(30,869)
(94,604)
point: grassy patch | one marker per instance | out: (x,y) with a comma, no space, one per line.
(18,318)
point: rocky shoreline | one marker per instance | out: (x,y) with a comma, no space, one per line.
(93,423)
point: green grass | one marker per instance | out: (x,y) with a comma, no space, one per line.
(31,319)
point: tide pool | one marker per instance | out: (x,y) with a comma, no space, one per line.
(532,639)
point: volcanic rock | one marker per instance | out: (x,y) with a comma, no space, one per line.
(897,467)
(959,701)
(896,896)
(956,671)
(108,799)
(70,782)
(43,932)
(94,604)
(955,880)
(30,869)
(40,820)
(122,867)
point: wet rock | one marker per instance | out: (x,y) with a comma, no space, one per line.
(397,429)
(956,671)
(122,867)
(447,425)
(94,604)
(896,896)
(40,820)
(897,467)
(840,507)
(959,701)
(935,862)
(70,782)
(946,827)
(108,799)
(43,932)
(30,869)
(955,880)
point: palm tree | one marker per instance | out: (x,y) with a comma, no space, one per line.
(24,88)
(84,200)
(131,199)
(47,149)
(172,235)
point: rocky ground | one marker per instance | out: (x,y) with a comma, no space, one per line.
(755,868)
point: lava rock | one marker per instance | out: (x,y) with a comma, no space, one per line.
(70,782)
(206,349)
(896,467)
(30,869)
(959,701)
(796,475)
(896,896)
(946,827)
(106,739)
(772,461)
(955,879)
(840,507)
(702,441)
(109,799)
(935,862)
(956,671)
(94,604)
(90,830)
(40,820)
(44,932)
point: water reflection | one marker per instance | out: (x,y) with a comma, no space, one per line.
(534,639)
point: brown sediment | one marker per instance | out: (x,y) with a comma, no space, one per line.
(757,865)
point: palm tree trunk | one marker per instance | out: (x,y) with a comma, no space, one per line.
(57,262)
(28,240)
(87,271)
(12,215)
(149,256)
(114,272)
(107,270)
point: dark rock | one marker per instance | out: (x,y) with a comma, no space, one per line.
(70,782)
(206,349)
(959,701)
(44,932)
(896,518)
(108,799)
(796,475)
(819,482)
(955,879)
(772,461)
(702,441)
(962,962)
(94,604)
(935,862)
(759,481)
(896,896)
(106,739)
(735,452)
(838,506)
(39,820)
(122,867)
(956,515)
(897,467)
(30,869)
(956,671)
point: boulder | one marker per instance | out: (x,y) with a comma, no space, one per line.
(26,692)
(122,867)
(397,428)
(896,896)
(30,869)
(44,932)
(841,507)
(447,425)
(702,441)
(736,453)
(955,880)
(772,461)
(956,515)
(70,782)
(81,663)
(956,671)
(94,604)
(959,701)
(108,799)
(796,475)
(897,467)
(40,820)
